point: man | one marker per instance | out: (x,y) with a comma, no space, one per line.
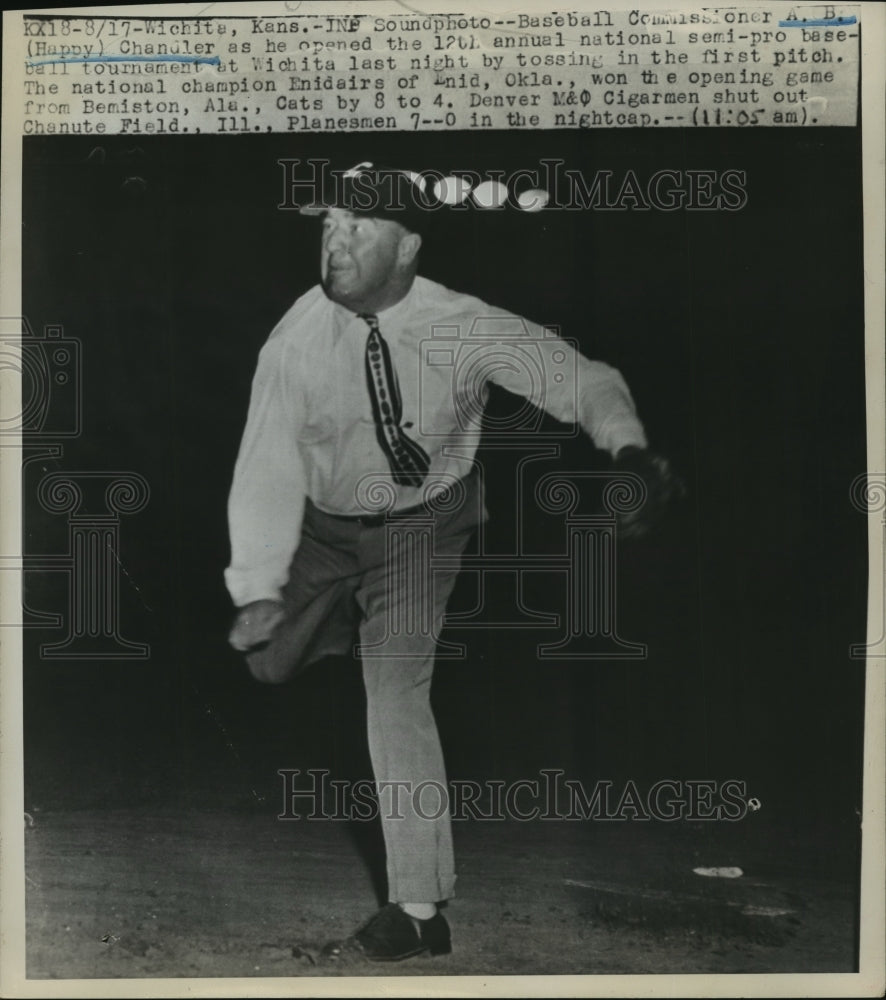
(352,429)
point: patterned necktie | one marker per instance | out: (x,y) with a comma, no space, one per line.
(409,461)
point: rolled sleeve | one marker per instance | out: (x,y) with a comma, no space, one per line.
(606,409)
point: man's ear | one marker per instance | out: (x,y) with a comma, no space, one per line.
(410,244)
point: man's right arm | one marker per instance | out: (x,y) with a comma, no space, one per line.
(266,502)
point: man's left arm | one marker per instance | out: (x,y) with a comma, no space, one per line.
(596,396)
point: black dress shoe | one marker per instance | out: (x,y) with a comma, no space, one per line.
(392,935)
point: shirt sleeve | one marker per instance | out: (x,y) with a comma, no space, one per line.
(267,498)
(552,374)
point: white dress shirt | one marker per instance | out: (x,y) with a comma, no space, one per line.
(310,430)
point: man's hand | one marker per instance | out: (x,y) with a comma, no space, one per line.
(255,623)
(663,487)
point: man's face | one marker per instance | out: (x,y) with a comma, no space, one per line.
(360,260)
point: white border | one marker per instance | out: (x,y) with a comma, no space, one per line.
(869,981)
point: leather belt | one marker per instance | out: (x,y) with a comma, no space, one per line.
(377,520)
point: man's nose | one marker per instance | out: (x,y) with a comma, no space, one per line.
(336,240)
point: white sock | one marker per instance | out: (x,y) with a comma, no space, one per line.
(421,911)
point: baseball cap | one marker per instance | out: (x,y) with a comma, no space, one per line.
(380,192)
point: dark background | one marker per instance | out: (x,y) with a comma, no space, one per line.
(740,335)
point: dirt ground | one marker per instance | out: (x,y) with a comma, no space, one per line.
(136,892)
(154,848)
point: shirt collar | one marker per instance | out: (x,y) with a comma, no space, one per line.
(386,317)
(393,313)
